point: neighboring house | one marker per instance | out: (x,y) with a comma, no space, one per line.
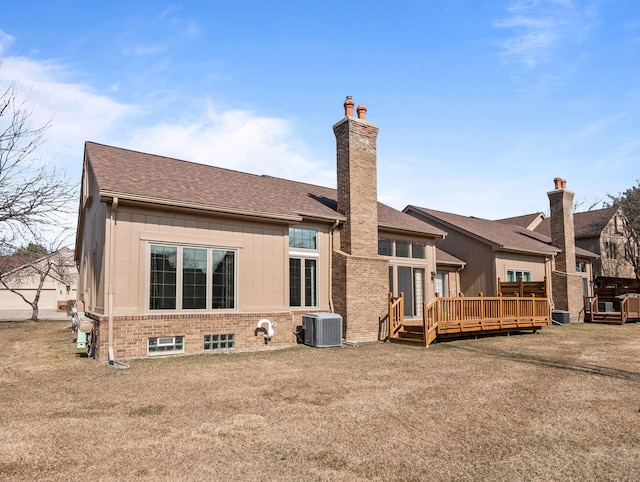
(507,251)
(59,285)
(602,232)
(179,257)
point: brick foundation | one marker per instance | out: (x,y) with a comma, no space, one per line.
(131,333)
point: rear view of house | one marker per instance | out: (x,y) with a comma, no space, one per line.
(177,257)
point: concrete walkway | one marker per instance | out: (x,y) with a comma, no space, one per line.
(43,315)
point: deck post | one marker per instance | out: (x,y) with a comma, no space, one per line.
(500,310)
(517,310)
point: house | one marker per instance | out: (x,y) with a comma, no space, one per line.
(602,231)
(508,250)
(53,274)
(182,258)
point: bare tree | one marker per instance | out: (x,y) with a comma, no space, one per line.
(34,196)
(629,204)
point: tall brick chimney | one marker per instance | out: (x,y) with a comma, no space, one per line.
(360,278)
(357,181)
(566,285)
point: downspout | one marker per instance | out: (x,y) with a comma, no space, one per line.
(335,225)
(110,283)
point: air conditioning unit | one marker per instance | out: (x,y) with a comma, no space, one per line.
(322,329)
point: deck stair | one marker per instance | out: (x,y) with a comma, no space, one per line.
(628,309)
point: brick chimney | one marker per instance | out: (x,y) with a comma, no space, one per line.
(566,286)
(360,278)
(357,181)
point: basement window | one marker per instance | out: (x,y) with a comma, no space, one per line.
(222,342)
(166,344)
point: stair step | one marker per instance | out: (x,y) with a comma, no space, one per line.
(411,335)
(407,341)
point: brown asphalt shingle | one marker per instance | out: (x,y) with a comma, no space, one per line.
(496,233)
(172,181)
(587,224)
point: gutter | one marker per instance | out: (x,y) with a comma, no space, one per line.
(110,281)
(106,196)
(335,225)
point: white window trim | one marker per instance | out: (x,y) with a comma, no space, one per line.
(179,261)
(167,352)
(304,254)
(515,272)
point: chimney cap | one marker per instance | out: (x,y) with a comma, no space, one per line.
(362,112)
(560,183)
(348,106)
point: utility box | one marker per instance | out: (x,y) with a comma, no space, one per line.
(605,306)
(322,329)
(561,317)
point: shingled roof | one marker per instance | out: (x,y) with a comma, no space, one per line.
(587,224)
(529,221)
(499,235)
(163,180)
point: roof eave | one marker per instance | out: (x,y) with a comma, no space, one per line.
(401,229)
(126,198)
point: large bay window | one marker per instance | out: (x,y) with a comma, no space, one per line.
(188,278)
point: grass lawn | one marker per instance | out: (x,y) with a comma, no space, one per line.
(560,405)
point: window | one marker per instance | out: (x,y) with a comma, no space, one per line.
(180,278)
(417,250)
(219,342)
(441,284)
(194,279)
(610,249)
(385,247)
(303,267)
(166,344)
(303,289)
(223,280)
(402,249)
(303,238)
(515,275)
(163,278)
(581,266)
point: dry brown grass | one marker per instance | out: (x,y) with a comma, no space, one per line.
(560,405)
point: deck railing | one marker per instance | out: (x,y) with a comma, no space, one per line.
(629,308)
(480,313)
(396,313)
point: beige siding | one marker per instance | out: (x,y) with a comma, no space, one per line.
(478,275)
(262,257)
(520,262)
(91,282)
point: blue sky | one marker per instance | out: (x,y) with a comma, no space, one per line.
(480,103)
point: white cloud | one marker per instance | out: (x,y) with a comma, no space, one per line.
(236,139)
(540,27)
(5,41)
(76,112)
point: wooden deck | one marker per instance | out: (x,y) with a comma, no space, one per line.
(467,315)
(623,310)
